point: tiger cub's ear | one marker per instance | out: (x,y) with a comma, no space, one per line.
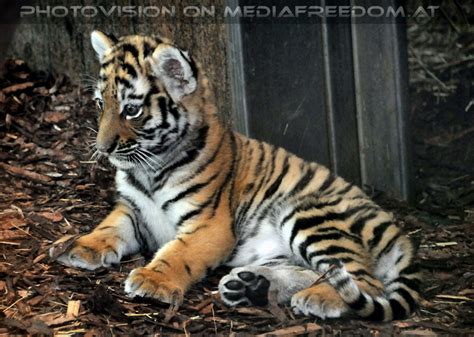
(101,42)
(174,68)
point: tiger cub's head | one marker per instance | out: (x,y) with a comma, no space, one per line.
(149,98)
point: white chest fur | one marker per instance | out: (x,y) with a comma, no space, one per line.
(160,224)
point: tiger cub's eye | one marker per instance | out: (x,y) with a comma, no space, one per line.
(132,111)
(99,103)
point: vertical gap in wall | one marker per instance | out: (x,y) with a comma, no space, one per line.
(360,129)
(329,97)
(236,74)
(402,104)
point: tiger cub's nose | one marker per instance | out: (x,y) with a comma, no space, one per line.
(106,147)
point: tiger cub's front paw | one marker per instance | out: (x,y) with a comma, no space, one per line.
(89,251)
(148,283)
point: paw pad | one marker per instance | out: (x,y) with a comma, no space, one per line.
(244,288)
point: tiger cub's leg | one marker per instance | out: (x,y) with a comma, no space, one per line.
(251,284)
(106,244)
(197,248)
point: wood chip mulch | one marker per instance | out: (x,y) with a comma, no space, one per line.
(49,188)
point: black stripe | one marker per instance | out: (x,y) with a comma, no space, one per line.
(345,189)
(265,178)
(330,251)
(147,118)
(227,179)
(147,49)
(138,97)
(248,188)
(111,37)
(211,159)
(192,213)
(328,236)
(142,243)
(131,49)
(151,131)
(139,235)
(327,182)
(107,63)
(360,272)
(194,68)
(126,83)
(236,155)
(342,283)
(378,313)
(153,91)
(164,113)
(261,158)
(333,261)
(287,218)
(364,276)
(401,257)
(303,182)
(129,69)
(188,270)
(152,81)
(359,224)
(191,190)
(389,245)
(132,180)
(191,63)
(276,184)
(188,216)
(305,223)
(173,109)
(269,175)
(166,263)
(242,212)
(198,228)
(190,155)
(378,233)
(182,241)
(348,235)
(398,311)
(304,207)
(267,198)
(407,297)
(113,145)
(317,238)
(104,228)
(359,303)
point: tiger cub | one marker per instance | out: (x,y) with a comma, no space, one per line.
(199,195)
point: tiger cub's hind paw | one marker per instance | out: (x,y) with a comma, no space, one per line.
(244,287)
(321,300)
